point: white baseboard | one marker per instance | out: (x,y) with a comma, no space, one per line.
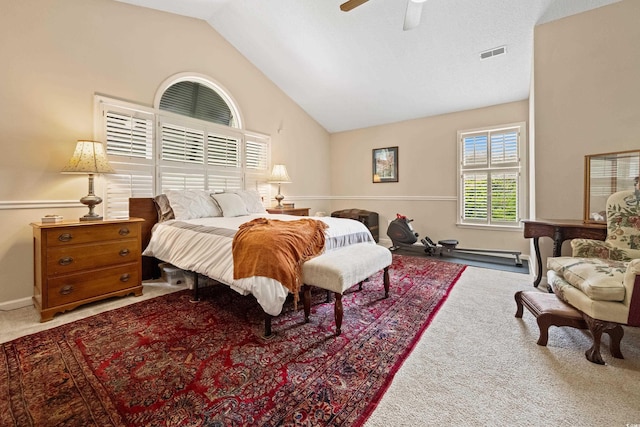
(16,303)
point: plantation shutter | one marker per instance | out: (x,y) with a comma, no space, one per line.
(197,155)
(475,150)
(181,144)
(223,151)
(193,141)
(504,148)
(504,190)
(181,181)
(122,185)
(128,136)
(257,170)
(224,156)
(182,154)
(490,177)
(475,196)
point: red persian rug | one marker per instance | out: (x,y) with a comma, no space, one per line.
(170,362)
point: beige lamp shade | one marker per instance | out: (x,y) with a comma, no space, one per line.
(88,157)
(279,174)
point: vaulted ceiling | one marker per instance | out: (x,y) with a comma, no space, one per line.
(356,69)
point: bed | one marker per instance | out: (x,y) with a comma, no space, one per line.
(188,231)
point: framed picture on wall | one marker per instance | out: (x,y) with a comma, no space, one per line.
(385,164)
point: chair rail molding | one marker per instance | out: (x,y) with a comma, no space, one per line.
(38,204)
(379,198)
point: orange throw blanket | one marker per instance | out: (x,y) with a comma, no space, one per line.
(277,249)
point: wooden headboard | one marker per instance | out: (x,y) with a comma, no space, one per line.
(145,207)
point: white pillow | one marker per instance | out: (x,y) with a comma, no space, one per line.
(230,204)
(251,199)
(188,204)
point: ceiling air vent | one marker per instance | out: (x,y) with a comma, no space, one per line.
(493,52)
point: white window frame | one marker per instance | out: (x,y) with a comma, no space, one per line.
(518,166)
(184,174)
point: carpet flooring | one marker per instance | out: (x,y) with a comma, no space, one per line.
(171,362)
(478,365)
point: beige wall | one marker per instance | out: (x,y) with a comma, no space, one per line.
(56,54)
(427,187)
(587,86)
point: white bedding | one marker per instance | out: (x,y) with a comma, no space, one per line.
(193,245)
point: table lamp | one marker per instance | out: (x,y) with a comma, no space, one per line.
(279,175)
(89,158)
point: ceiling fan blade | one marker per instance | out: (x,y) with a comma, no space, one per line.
(351,4)
(414,12)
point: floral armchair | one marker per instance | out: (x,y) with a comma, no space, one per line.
(602,278)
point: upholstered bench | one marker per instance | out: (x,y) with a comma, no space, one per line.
(338,270)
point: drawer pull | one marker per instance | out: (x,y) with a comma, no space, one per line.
(66,290)
(124,231)
(65,261)
(65,237)
(125,277)
(124,252)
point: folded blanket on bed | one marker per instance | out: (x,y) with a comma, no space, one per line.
(277,249)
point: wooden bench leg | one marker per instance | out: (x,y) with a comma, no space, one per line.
(544,322)
(337,313)
(386,282)
(519,309)
(306,301)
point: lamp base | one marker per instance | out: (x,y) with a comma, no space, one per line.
(93,217)
(91,200)
(279,199)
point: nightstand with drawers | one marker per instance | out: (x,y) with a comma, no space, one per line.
(77,262)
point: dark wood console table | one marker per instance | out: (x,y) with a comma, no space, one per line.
(560,230)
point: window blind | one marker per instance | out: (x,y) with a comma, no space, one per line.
(491,179)
(128,133)
(189,143)
(122,185)
(196,100)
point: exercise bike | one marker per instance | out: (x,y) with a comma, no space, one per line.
(403,236)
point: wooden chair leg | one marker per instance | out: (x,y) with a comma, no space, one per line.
(615,336)
(337,313)
(597,327)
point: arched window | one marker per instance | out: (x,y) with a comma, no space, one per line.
(193,138)
(200,100)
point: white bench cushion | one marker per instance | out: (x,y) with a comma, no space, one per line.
(342,268)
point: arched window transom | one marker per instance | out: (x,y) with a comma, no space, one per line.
(196,100)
